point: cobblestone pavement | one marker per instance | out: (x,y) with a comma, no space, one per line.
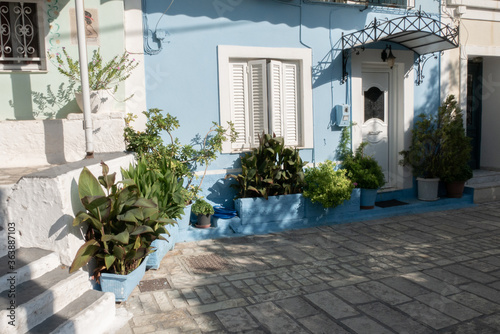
(436,272)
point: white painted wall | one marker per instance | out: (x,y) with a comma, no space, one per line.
(43,205)
(44,142)
(136,84)
(490,141)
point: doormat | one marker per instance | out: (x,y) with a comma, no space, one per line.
(206,264)
(153,285)
(389,203)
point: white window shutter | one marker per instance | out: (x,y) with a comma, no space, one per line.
(257,99)
(291,114)
(239,109)
(275,84)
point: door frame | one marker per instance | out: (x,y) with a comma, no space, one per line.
(401,110)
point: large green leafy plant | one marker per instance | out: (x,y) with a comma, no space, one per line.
(270,169)
(182,159)
(121,224)
(327,185)
(159,184)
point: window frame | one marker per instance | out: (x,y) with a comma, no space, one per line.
(42,25)
(303,56)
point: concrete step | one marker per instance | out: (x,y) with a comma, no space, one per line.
(26,264)
(485,185)
(5,191)
(40,298)
(486,192)
(90,313)
(484,176)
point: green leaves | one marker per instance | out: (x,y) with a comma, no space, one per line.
(102,75)
(180,159)
(121,225)
(270,169)
(439,146)
(84,254)
(202,207)
(327,186)
(88,185)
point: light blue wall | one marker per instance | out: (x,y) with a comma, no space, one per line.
(183,78)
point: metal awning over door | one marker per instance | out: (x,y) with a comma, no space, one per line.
(418,32)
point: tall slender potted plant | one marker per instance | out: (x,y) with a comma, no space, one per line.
(424,156)
(455,148)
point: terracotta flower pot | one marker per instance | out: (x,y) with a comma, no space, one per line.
(455,189)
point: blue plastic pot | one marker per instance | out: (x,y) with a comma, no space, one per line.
(122,285)
(368,197)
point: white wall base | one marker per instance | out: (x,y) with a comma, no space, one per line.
(43,205)
(45,142)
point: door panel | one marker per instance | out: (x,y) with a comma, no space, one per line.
(375,127)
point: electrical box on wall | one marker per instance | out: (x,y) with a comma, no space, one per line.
(342,115)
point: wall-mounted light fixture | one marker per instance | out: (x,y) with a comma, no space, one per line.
(389,58)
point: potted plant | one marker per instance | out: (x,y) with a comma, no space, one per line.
(363,170)
(327,185)
(121,225)
(204,211)
(424,156)
(181,159)
(166,190)
(455,148)
(104,77)
(271,169)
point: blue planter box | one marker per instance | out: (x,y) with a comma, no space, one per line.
(185,220)
(275,208)
(292,210)
(317,213)
(123,285)
(162,247)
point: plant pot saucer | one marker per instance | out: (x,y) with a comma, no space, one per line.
(202,226)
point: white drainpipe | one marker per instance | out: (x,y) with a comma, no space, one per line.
(84,73)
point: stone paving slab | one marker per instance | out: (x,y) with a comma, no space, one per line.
(435,272)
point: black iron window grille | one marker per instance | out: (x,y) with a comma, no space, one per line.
(20,42)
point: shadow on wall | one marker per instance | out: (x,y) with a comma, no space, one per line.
(54,141)
(277,12)
(222,193)
(23,108)
(54,104)
(431,100)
